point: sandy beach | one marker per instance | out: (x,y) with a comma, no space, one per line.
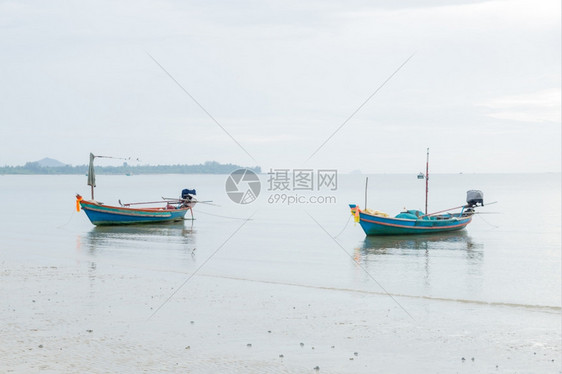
(64,320)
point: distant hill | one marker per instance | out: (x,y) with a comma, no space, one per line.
(49,163)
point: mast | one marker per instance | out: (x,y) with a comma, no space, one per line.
(366,183)
(426,179)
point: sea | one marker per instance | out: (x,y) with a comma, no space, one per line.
(285,283)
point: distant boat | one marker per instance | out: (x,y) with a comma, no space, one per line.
(170,209)
(421,176)
(408,222)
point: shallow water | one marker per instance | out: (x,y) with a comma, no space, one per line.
(192,297)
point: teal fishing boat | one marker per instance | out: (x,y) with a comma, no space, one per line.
(408,222)
(411,221)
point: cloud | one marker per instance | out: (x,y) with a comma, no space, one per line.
(540,106)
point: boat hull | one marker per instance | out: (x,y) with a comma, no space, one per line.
(378,225)
(102,215)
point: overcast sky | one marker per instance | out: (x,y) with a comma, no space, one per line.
(482,90)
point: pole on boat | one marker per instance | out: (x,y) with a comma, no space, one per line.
(426,179)
(91,174)
(366,183)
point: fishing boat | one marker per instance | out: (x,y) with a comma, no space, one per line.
(102,214)
(167,209)
(410,222)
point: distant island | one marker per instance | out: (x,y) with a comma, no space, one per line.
(51,166)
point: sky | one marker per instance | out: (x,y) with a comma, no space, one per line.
(354,85)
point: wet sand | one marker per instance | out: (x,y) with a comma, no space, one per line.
(83,319)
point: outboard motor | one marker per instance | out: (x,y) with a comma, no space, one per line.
(186,194)
(474,197)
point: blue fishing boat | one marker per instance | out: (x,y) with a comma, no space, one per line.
(410,222)
(101,214)
(167,209)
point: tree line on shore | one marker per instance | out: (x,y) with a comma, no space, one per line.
(209,167)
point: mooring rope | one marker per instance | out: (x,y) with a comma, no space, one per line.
(347,223)
(480,216)
(67,222)
(217,215)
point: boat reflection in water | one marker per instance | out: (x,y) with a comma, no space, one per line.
(138,239)
(124,255)
(418,244)
(433,259)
